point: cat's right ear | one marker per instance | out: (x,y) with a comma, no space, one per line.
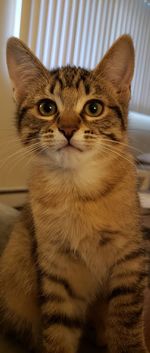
(25,70)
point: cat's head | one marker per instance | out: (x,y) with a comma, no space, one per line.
(70,115)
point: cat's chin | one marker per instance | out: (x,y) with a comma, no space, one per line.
(69,157)
(69,148)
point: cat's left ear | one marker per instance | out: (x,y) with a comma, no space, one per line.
(25,69)
(117,66)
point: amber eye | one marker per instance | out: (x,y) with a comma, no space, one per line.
(47,107)
(94,107)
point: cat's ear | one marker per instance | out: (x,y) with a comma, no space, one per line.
(24,68)
(117,66)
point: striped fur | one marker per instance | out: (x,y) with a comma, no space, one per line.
(77,257)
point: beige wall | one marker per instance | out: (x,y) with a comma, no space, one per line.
(12,173)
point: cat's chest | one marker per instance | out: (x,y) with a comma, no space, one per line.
(75,221)
(66,218)
(81,226)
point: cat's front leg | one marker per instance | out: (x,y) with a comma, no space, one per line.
(125,328)
(66,288)
(19,312)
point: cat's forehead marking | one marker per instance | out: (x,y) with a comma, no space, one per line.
(74,96)
(69,85)
(69,97)
(57,88)
(69,77)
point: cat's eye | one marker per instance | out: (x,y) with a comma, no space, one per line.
(94,108)
(47,107)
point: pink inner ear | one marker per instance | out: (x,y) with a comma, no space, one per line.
(117,66)
(119,69)
(23,66)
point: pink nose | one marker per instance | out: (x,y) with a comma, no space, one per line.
(68,132)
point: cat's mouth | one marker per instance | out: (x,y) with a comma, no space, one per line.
(69,147)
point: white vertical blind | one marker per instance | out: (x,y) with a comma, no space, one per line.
(78,32)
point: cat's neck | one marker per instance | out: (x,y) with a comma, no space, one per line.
(87,182)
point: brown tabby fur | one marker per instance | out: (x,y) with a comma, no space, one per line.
(76,256)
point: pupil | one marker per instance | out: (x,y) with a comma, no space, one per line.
(47,108)
(93,108)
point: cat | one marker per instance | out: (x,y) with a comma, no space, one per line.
(76,258)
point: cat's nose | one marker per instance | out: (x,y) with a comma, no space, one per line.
(68,132)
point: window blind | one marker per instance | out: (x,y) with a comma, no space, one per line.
(78,32)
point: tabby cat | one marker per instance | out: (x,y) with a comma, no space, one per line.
(77,252)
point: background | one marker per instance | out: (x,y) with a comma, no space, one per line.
(76,32)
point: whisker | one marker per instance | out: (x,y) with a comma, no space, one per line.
(10,157)
(28,153)
(21,159)
(16,153)
(128,146)
(12,138)
(32,157)
(9,140)
(124,144)
(117,154)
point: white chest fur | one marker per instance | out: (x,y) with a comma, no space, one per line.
(64,213)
